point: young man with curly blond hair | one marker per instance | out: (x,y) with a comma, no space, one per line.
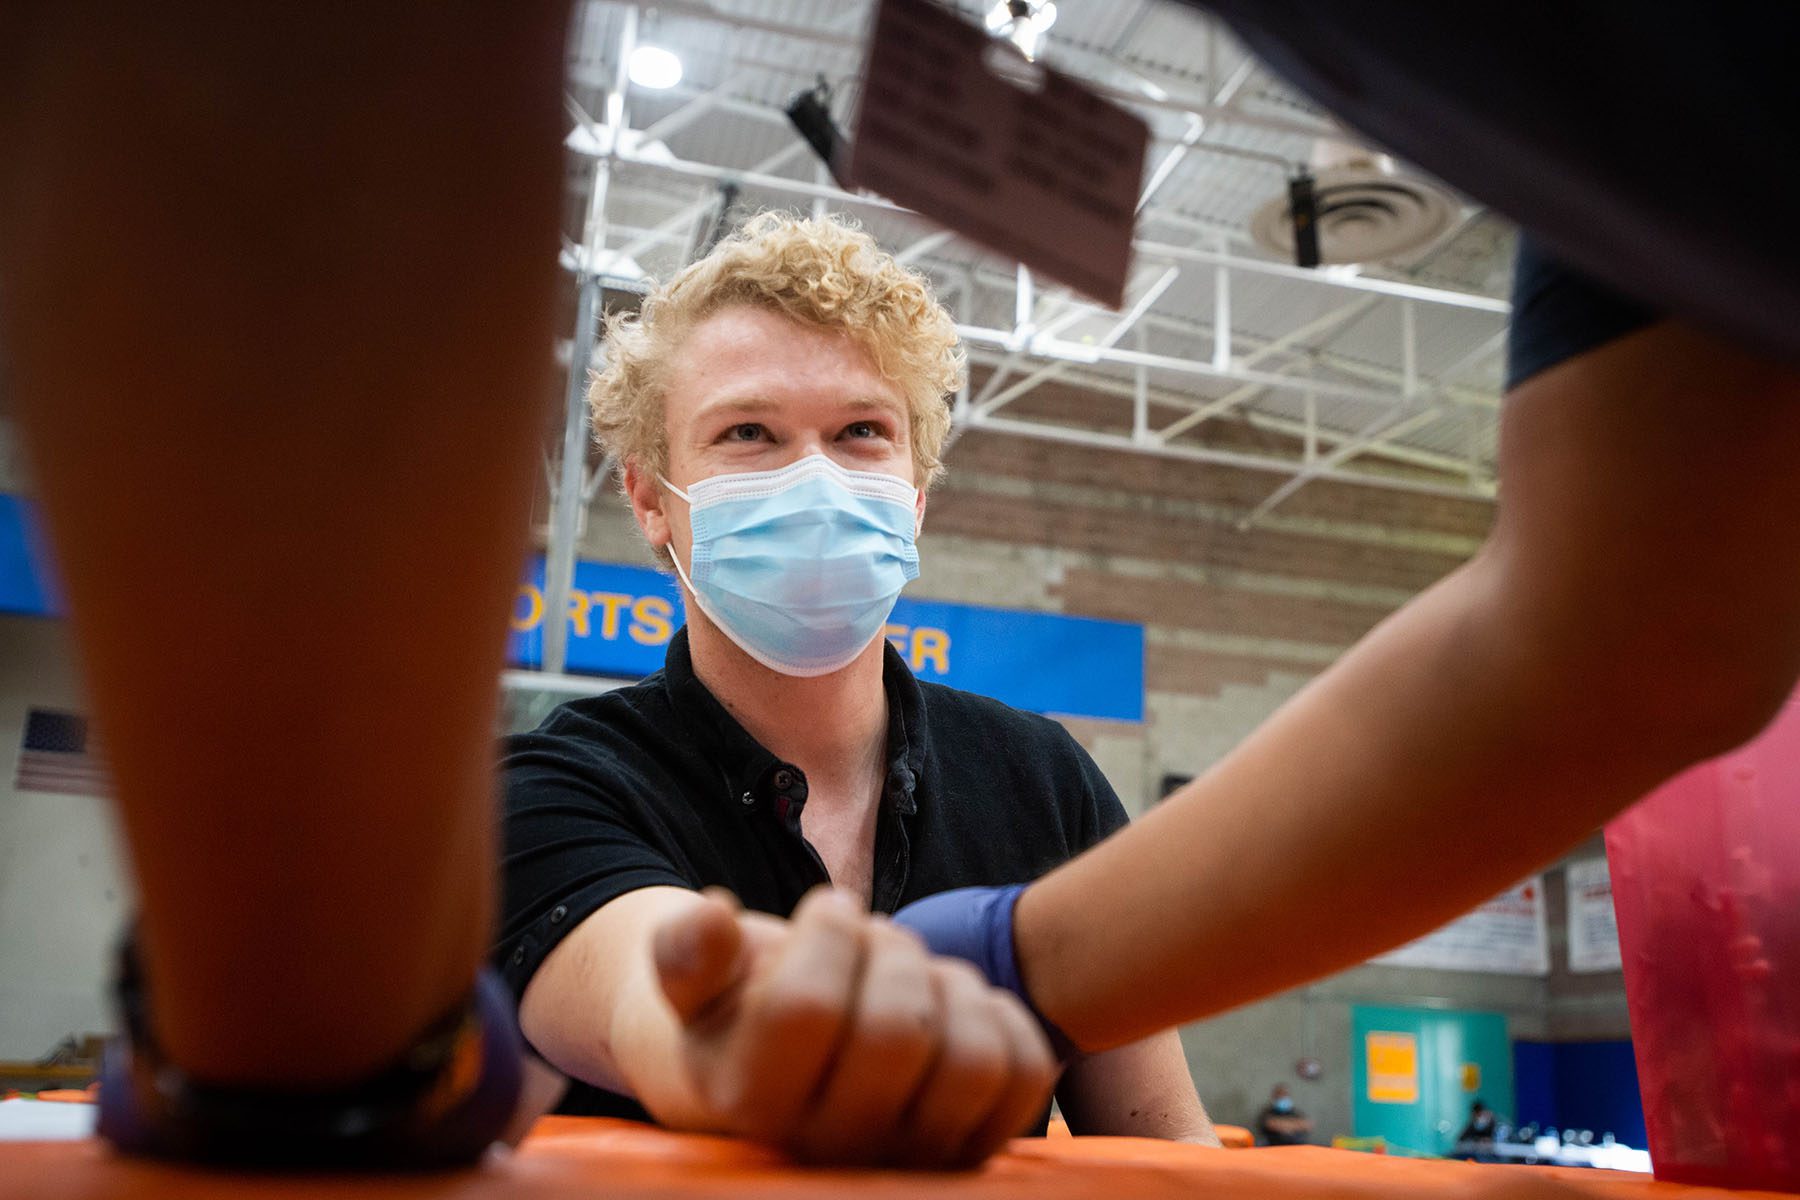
(779,409)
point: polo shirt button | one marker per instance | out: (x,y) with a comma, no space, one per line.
(784,779)
(518,956)
(558,913)
(747,800)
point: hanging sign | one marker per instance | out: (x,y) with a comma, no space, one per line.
(1505,936)
(1593,930)
(1026,160)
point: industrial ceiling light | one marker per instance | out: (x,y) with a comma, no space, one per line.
(654,67)
(1352,205)
(1022,22)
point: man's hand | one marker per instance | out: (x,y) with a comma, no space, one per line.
(837,1037)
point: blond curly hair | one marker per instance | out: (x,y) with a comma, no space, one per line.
(825,272)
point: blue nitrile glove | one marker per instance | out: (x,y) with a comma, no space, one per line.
(976,924)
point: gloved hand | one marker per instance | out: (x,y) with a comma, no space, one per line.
(976,924)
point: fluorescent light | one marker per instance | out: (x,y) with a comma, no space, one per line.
(654,67)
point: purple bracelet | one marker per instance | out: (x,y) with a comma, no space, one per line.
(443,1103)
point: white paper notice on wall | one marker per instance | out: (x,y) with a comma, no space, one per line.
(1593,929)
(963,128)
(1505,936)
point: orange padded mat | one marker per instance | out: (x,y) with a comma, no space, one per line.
(596,1159)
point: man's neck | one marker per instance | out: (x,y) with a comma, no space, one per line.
(833,727)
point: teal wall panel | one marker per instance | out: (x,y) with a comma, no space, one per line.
(1445,1040)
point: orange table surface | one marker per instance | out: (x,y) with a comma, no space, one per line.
(612,1160)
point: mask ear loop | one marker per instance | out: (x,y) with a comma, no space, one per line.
(674,557)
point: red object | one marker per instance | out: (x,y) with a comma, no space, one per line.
(1706,887)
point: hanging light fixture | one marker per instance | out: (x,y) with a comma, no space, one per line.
(654,67)
(1023,23)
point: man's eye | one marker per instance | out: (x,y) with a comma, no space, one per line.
(861,429)
(747,432)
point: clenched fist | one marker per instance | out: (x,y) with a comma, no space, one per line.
(838,1037)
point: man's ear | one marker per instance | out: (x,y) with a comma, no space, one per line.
(919,512)
(646,497)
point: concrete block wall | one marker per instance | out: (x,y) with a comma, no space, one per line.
(1238,1056)
(64,889)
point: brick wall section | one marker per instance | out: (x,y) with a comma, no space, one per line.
(1181,671)
(1053,462)
(1141,534)
(1180,603)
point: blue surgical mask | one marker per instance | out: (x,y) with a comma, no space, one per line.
(801,566)
(1283,1104)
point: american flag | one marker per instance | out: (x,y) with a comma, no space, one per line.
(58,755)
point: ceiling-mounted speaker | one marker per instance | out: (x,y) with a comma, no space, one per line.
(1365,209)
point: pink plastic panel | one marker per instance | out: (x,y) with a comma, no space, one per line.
(1706,884)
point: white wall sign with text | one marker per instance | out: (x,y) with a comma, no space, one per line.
(1593,930)
(1505,936)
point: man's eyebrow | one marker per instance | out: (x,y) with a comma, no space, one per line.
(741,405)
(875,404)
(753,405)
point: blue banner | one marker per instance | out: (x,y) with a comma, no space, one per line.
(24,581)
(621,619)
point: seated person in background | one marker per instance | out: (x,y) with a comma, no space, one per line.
(779,409)
(1481,1124)
(1281,1124)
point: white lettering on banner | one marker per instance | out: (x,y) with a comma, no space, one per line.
(1505,936)
(1593,929)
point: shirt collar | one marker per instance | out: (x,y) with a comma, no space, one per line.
(747,764)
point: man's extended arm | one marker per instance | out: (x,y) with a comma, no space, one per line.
(1138,1090)
(834,1035)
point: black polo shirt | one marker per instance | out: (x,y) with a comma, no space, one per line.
(657,784)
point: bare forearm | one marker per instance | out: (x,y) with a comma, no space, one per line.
(1381,775)
(221,421)
(596,1011)
(1139,1090)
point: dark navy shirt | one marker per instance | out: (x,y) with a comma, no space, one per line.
(656,784)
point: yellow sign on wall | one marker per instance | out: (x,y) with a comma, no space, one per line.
(1393,1060)
(1471,1077)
